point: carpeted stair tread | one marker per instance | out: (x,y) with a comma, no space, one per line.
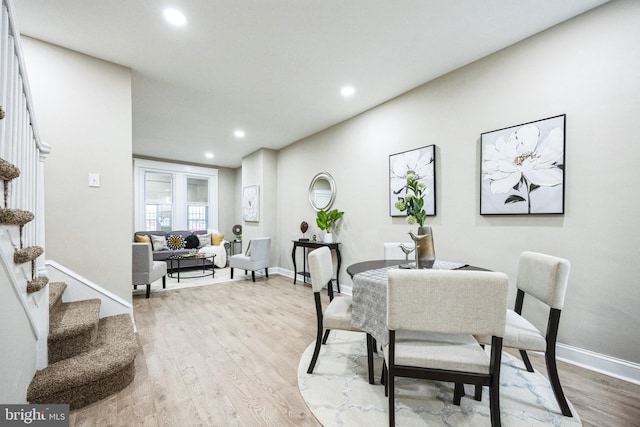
(88,377)
(27,254)
(73,328)
(37,284)
(15,217)
(55,294)
(8,171)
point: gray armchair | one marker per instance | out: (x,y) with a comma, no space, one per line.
(145,269)
(255,258)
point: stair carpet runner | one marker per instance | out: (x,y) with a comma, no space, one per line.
(89,358)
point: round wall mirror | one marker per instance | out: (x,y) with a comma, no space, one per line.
(322,191)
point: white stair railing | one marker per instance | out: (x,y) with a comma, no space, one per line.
(19,140)
(25,317)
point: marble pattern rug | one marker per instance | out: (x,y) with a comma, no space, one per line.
(339,394)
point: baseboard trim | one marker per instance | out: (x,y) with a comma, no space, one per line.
(597,362)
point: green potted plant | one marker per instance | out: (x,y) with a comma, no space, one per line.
(326,220)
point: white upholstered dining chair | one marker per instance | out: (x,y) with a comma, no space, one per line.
(338,313)
(432,316)
(545,278)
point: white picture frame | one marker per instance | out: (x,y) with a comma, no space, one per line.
(251,203)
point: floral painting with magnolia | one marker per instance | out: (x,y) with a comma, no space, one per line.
(419,164)
(523,169)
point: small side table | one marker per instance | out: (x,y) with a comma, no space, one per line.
(236,247)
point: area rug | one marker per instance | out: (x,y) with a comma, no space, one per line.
(193,278)
(339,394)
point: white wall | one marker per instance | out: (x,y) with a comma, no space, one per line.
(83,107)
(259,168)
(587,68)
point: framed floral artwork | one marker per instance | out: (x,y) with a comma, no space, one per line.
(420,162)
(251,203)
(522,168)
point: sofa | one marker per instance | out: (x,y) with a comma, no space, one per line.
(181,242)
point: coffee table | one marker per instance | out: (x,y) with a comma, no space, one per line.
(203,257)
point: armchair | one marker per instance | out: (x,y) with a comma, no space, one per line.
(255,258)
(145,269)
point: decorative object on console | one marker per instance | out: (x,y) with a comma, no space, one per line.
(522,168)
(326,220)
(237,231)
(251,203)
(421,164)
(304,227)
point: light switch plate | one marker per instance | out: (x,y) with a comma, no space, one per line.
(94,180)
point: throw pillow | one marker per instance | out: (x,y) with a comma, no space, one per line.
(205,240)
(175,242)
(159,243)
(142,238)
(191,242)
(216,239)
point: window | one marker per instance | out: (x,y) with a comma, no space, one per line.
(158,190)
(197,203)
(171,196)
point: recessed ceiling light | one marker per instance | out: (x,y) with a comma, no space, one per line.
(347,91)
(239,133)
(175,17)
(208,155)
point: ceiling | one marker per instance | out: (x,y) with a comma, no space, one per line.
(274,68)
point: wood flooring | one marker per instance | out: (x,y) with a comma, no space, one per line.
(227,355)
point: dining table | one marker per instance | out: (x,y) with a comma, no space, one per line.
(369,293)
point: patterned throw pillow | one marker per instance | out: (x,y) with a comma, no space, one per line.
(159,243)
(175,242)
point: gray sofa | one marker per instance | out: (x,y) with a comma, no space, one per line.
(222,253)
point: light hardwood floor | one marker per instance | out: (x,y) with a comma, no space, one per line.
(227,355)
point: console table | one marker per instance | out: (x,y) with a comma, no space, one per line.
(306,245)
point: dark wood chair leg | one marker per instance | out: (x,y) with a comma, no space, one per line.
(253,276)
(266,272)
(232,272)
(326,335)
(525,359)
(478,393)
(135,286)
(316,352)
(390,387)
(148,290)
(458,392)
(370,358)
(383,377)
(550,359)
(319,326)
(164,282)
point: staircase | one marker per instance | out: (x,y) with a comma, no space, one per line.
(89,358)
